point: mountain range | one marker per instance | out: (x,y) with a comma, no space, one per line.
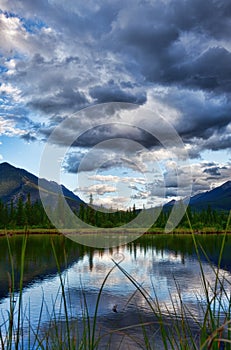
(218,198)
(16,182)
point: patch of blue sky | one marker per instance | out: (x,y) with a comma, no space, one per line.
(219,156)
(15,56)
(9,106)
(31,25)
(8,14)
(3,69)
(19,153)
(122,172)
(18,119)
(4,101)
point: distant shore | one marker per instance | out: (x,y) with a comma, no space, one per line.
(31,231)
(41,231)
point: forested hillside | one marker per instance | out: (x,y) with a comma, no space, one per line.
(32,215)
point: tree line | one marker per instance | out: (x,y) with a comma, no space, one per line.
(32,215)
(197,219)
(21,214)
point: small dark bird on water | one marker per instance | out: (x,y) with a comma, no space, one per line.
(114,309)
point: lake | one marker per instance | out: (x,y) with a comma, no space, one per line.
(164,266)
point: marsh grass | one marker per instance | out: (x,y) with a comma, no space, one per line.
(175,327)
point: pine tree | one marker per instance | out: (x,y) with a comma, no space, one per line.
(12,214)
(81,212)
(5,215)
(1,214)
(20,213)
(28,211)
(91,211)
(59,211)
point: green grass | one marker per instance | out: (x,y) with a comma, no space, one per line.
(175,327)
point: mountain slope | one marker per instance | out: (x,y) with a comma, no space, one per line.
(219,198)
(16,182)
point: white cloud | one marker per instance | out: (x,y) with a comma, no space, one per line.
(8,89)
(115,203)
(8,128)
(116,179)
(63,57)
(16,39)
(10,65)
(97,189)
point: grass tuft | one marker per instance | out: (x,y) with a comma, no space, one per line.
(175,327)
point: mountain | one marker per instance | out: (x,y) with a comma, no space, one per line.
(16,182)
(219,198)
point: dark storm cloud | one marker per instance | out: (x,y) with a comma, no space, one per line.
(202,115)
(211,16)
(99,134)
(175,43)
(175,52)
(100,160)
(219,142)
(210,71)
(113,93)
(148,36)
(201,185)
(67,99)
(28,137)
(72,59)
(214,171)
(161,37)
(116,131)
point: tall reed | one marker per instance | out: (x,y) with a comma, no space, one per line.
(176,327)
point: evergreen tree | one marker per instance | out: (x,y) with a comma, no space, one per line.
(91,211)
(59,212)
(1,214)
(5,215)
(81,212)
(28,210)
(20,213)
(12,215)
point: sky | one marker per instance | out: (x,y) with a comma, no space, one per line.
(144,86)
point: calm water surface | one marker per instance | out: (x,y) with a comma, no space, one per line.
(160,263)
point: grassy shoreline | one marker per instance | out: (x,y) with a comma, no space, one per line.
(171,328)
(34,231)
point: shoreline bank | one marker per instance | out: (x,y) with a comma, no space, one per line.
(40,231)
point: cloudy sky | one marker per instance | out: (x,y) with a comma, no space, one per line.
(145,87)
